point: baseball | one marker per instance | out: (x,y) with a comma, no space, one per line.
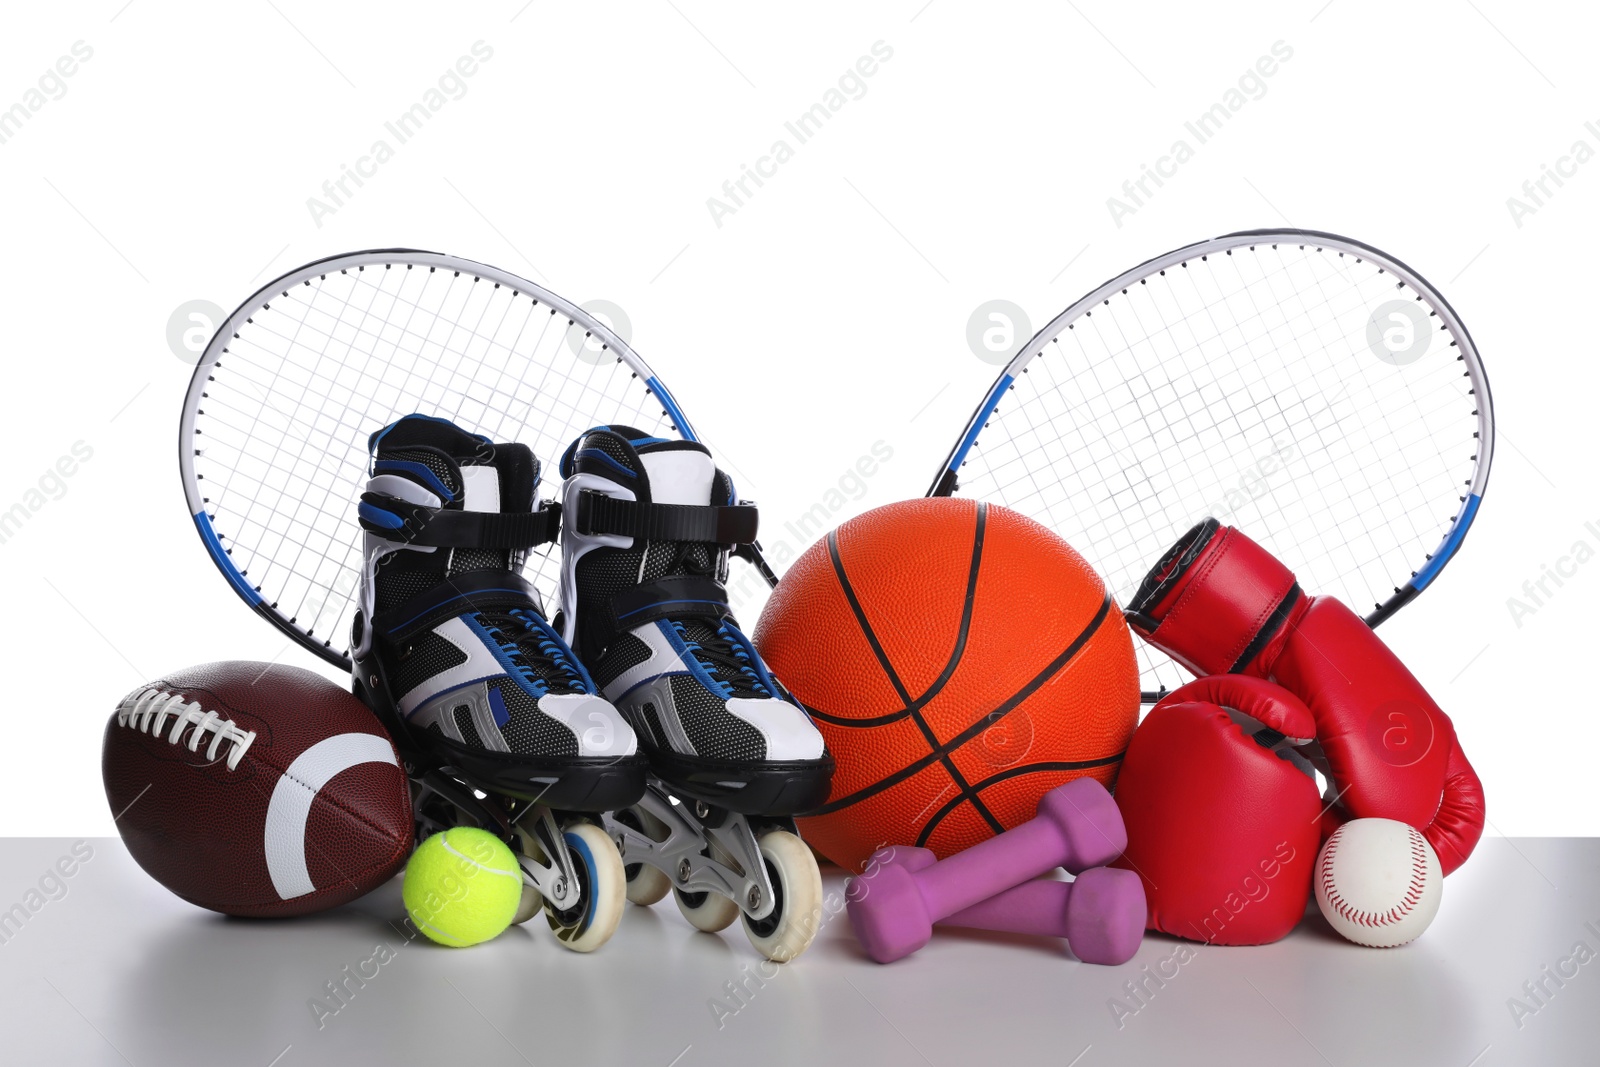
(1378,882)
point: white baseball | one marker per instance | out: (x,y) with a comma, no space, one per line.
(1378,882)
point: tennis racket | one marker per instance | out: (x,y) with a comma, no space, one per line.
(273,442)
(1311,390)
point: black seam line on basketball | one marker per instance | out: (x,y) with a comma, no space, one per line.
(861,618)
(1015,772)
(912,707)
(982,724)
(839,720)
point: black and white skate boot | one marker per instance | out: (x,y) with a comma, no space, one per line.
(647,525)
(452,642)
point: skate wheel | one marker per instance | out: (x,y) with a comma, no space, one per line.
(646,885)
(797,913)
(590,922)
(528,906)
(531,902)
(707,911)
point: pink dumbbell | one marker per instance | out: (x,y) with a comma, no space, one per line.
(893,909)
(1101,914)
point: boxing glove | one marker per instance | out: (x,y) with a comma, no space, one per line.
(1222,814)
(1217,602)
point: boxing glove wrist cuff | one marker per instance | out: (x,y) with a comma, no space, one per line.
(1215,600)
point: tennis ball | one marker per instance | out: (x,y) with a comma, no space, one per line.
(462,886)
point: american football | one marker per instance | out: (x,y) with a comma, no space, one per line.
(256,789)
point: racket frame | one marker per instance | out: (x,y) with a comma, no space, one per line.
(947,481)
(379,258)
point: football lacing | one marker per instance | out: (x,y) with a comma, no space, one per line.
(148,711)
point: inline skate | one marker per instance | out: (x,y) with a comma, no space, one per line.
(498,722)
(647,527)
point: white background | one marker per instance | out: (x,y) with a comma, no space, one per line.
(827,313)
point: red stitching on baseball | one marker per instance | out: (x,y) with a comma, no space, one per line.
(1359,917)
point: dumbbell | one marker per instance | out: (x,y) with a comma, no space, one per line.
(893,909)
(1101,915)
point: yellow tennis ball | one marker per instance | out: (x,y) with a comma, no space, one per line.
(462,886)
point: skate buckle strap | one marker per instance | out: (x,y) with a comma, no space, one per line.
(732,525)
(480,590)
(417,524)
(675,597)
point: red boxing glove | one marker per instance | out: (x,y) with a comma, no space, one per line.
(1222,815)
(1220,603)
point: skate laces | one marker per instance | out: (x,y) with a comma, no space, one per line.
(541,660)
(722,651)
(724,657)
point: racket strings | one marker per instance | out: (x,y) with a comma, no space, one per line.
(1150,392)
(1235,413)
(293,344)
(1240,383)
(290,406)
(294,563)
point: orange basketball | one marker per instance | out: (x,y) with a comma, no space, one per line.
(961,661)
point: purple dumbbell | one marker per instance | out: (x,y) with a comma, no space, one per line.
(1101,915)
(893,909)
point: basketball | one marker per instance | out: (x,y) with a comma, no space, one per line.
(961,660)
